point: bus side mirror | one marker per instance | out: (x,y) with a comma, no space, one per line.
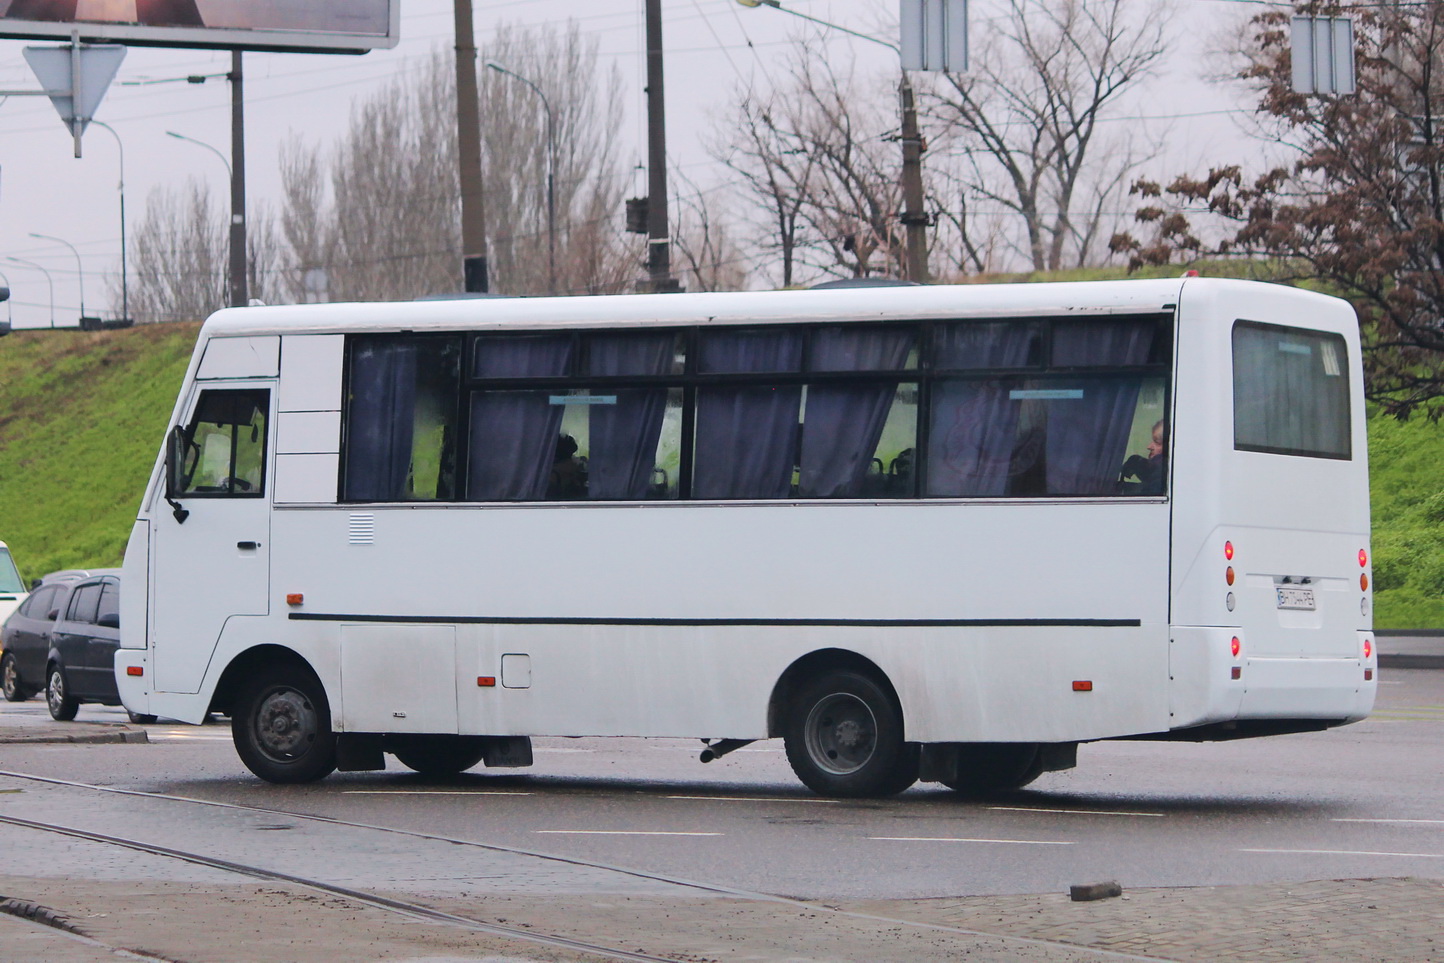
(174,456)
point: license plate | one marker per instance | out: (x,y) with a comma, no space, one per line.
(1296,598)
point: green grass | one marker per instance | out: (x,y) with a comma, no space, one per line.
(1406,483)
(82,416)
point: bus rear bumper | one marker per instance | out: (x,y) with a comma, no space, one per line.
(1299,688)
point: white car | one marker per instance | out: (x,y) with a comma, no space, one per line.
(12,590)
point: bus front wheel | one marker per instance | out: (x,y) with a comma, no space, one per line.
(437,755)
(282,726)
(844,737)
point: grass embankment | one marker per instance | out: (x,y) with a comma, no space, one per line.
(82,416)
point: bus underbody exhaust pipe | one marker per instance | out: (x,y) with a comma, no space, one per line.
(720,748)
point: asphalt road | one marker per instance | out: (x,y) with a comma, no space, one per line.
(1362,801)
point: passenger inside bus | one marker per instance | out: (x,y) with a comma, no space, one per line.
(1149,472)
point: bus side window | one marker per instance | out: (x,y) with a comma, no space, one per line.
(226,443)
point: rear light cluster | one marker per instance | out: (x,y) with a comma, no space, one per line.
(1364,581)
(1234,648)
(1368,653)
(1228,576)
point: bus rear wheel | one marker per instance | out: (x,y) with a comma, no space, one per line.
(437,755)
(844,737)
(986,768)
(282,726)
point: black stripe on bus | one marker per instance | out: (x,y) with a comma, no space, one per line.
(845,623)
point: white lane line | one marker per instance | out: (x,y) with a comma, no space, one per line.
(1341,852)
(825,802)
(1421,822)
(616,832)
(954,839)
(1070,812)
(431,792)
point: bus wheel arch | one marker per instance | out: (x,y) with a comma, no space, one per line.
(280,715)
(842,725)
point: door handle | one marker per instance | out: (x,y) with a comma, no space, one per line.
(248,546)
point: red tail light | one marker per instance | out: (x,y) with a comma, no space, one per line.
(1363,558)
(1228,550)
(1234,646)
(1368,647)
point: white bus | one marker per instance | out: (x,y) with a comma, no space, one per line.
(942,532)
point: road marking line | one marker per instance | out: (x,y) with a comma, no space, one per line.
(1426,822)
(431,792)
(616,832)
(953,839)
(1342,852)
(1071,812)
(827,802)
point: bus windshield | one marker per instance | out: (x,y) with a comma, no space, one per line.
(9,576)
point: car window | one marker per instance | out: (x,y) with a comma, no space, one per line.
(109,601)
(84,604)
(39,604)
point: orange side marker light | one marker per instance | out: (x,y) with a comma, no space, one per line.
(1082,685)
(134,670)
(295,598)
(486,681)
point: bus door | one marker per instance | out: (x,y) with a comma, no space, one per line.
(211,557)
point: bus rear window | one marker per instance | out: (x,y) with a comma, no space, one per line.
(1290,391)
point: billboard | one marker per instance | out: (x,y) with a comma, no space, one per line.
(300,25)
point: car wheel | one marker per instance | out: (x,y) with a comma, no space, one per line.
(844,737)
(63,705)
(282,726)
(15,689)
(140,718)
(437,755)
(988,768)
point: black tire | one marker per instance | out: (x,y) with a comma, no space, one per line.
(61,703)
(844,737)
(140,718)
(437,755)
(282,726)
(14,687)
(987,768)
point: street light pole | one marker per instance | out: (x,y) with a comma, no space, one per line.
(79,268)
(551,174)
(237,281)
(124,275)
(48,278)
(914,217)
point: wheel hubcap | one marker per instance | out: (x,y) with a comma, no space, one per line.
(286,724)
(55,692)
(841,733)
(12,678)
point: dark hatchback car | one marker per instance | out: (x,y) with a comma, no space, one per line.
(63,640)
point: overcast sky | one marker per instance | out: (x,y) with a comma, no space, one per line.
(713,47)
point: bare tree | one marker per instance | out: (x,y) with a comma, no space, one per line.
(707,252)
(1024,120)
(593,254)
(817,161)
(178,256)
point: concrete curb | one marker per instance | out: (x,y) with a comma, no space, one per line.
(78,732)
(1410,649)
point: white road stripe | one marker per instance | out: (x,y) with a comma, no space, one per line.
(953,839)
(431,792)
(1341,852)
(1070,812)
(828,802)
(616,832)
(1422,822)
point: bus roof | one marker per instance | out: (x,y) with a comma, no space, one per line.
(923,302)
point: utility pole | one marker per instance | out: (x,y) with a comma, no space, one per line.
(914,216)
(659,243)
(239,296)
(468,136)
